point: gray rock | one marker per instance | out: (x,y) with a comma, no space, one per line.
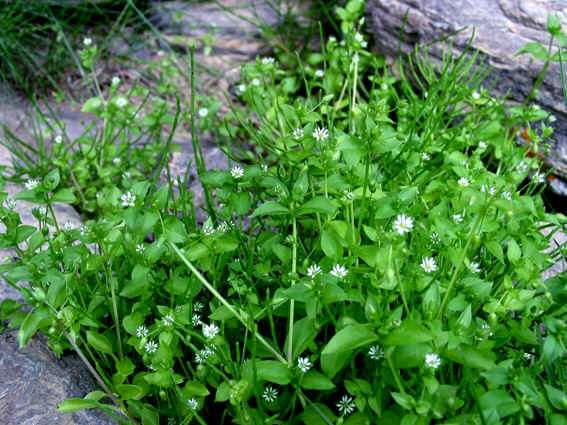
(233,26)
(501,28)
(33,382)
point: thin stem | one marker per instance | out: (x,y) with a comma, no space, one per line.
(292,301)
(223,301)
(459,265)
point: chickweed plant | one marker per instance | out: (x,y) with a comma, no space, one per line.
(376,256)
(123,141)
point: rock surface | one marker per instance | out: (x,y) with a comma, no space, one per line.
(33,382)
(501,28)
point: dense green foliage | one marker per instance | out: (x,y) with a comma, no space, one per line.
(373,254)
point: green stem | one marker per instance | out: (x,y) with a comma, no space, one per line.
(459,265)
(292,301)
(223,301)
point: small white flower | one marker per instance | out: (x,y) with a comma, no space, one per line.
(31,184)
(320,134)
(528,356)
(507,195)
(475,95)
(268,61)
(313,270)
(141,331)
(200,357)
(196,320)
(208,229)
(474,267)
(332,39)
(432,360)
(458,218)
(10,204)
(270,394)
(83,230)
(241,88)
(522,167)
(298,133)
(255,82)
(403,224)
(482,145)
(203,112)
(345,405)
(304,364)
(463,181)
(237,171)
(339,271)
(428,264)
(121,102)
(434,238)
(210,331)
(151,347)
(115,81)
(128,199)
(42,210)
(58,139)
(425,156)
(264,168)
(319,73)
(168,320)
(117,161)
(376,352)
(359,37)
(140,248)
(193,404)
(197,306)
(87,41)
(68,226)
(539,178)
(223,227)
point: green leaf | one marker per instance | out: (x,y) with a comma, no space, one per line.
(92,105)
(195,388)
(175,231)
(409,332)
(557,398)
(76,404)
(130,392)
(514,251)
(99,342)
(139,283)
(472,357)
(51,180)
(317,205)
(342,346)
(270,208)
(314,380)
(499,400)
(304,333)
(331,245)
(273,371)
(405,400)
(537,50)
(23,232)
(31,324)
